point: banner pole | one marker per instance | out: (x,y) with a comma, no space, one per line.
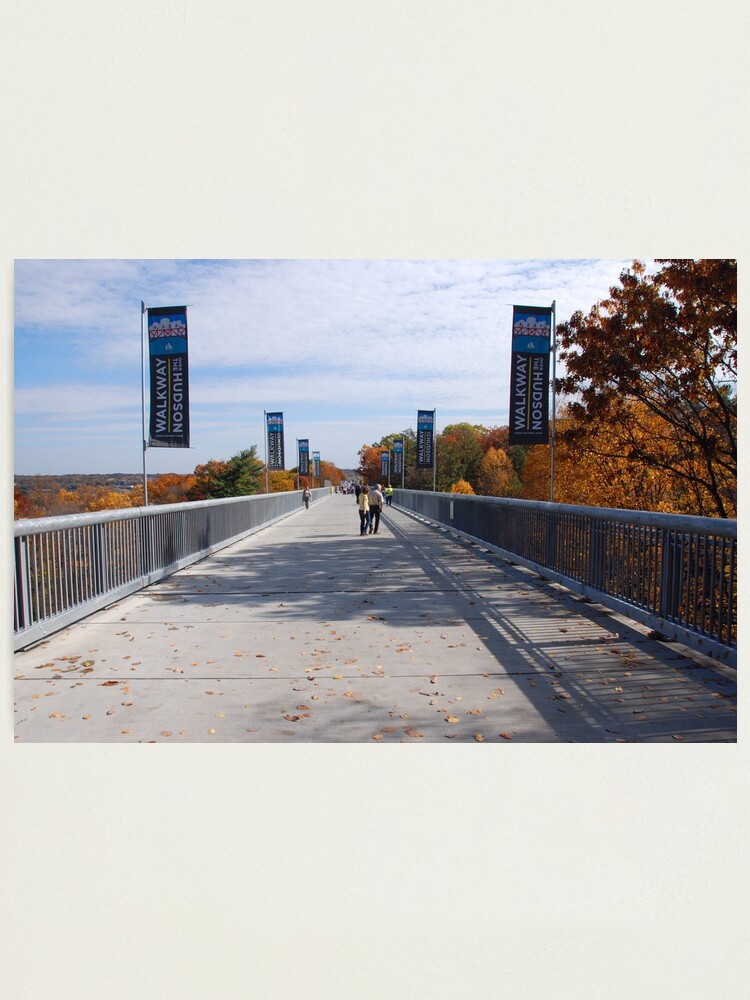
(143,411)
(552,435)
(434,451)
(297,440)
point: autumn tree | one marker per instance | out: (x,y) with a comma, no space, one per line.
(331,472)
(496,476)
(369,463)
(459,453)
(591,472)
(240,475)
(170,488)
(281,481)
(104,499)
(461,486)
(22,506)
(665,345)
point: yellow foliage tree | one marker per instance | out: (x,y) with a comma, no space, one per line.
(600,467)
(281,481)
(461,486)
(496,476)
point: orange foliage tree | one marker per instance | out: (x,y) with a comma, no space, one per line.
(496,476)
(461,486)
(661,353)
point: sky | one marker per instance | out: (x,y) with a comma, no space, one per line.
(348,350)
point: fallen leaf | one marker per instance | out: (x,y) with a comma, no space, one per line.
(212,731)
(292,718)
(415,735)
(85,716)
(475,711)
(676,736)
(451,718)
(348,694)
(166,732)
(107,684)
(338,677)
(506,736)
(378,736)
(479,738)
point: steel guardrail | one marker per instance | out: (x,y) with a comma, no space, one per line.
(70,566)
(674,573)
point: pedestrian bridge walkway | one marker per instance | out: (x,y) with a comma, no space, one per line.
(307,632)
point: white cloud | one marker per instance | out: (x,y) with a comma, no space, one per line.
(334,344)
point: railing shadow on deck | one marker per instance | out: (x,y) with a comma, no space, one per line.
(335,577)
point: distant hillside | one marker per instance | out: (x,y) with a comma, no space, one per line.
(74,480)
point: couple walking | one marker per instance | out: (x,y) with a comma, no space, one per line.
(370,503)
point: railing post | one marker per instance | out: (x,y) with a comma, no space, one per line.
(597,549)
(670,584)
(101,576)
(23,585)
(550,547)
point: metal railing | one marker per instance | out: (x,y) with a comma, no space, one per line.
(67,567)
(674,573)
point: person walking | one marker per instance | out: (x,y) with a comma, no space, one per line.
(376,507)
(306,498)
(388,495)
(364,510)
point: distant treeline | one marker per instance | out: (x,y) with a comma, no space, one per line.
(74,480)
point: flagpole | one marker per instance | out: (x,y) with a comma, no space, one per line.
(143,410)
(434,451)
(554,387)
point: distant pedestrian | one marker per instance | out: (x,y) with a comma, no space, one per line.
(364,510)
(388,495)
(306,498)
(376,506)
(357,491)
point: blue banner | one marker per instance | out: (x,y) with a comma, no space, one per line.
(398,458)
(275,432)
(169,425)
(425,438)
(528,421)
(303,462)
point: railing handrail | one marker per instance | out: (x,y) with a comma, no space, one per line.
(676,573)
(59,522)
(68,566)
(723,527)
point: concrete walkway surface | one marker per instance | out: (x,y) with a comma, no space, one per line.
(307,632)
